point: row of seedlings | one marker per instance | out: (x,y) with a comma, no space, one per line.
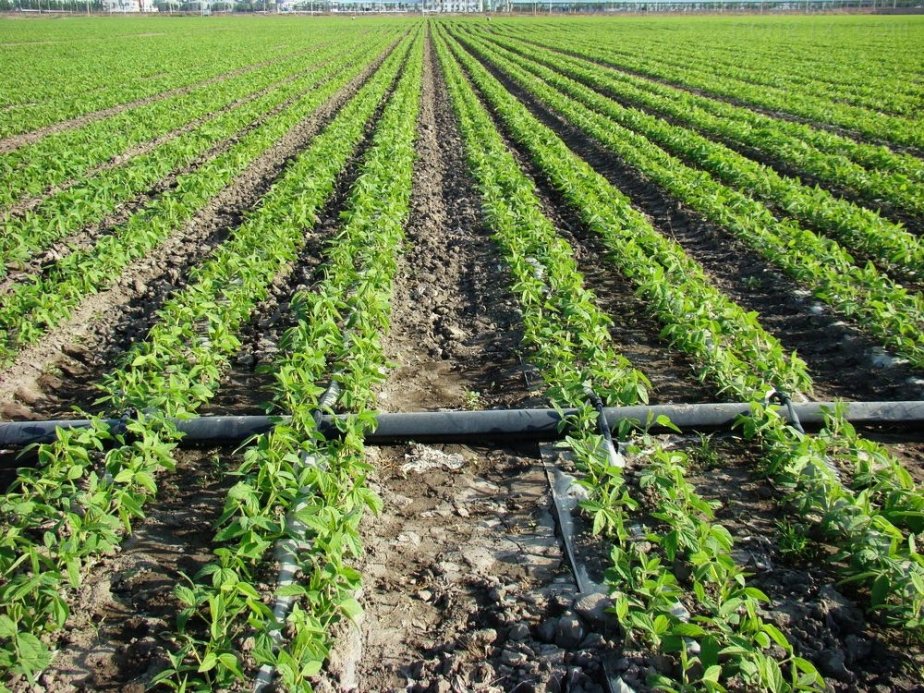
(790,146)
(42,302)
(859,229)
(71,155)
(878,305)
(91,485)
(46,85)
(799,143)
(90,200)
(798,78)
(295,487)
(702,629)
(896,130)
(876,540)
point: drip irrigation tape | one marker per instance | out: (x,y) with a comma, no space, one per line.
(616,460)
(287,550)
(566,496)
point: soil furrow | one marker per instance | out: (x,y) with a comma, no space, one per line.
(844,363)
(455,325)
(634,334)
(463,568)
(107,323)
(118,636)
(781,115)
(247,388)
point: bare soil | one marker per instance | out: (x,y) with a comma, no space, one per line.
(463,567)
(466,584)
(455,325)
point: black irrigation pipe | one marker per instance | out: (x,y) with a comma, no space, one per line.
(488,425)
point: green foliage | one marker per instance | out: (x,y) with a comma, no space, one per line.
(730,346)
(858,229)
(43,302)
(646,591)
(93,189)
(881,556)
(675,584)
(294,486)
(888,118)
(873,550)
(81,499)
(793,541)
(860,293)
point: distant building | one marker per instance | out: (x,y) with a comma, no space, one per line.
(129,6)
(409,5)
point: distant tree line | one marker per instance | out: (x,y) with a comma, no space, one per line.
(66,5)
(161,5)
(196,6)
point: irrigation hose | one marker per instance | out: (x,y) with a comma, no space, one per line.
(288,547)
(488,425)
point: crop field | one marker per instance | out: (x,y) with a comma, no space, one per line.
(328,219)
